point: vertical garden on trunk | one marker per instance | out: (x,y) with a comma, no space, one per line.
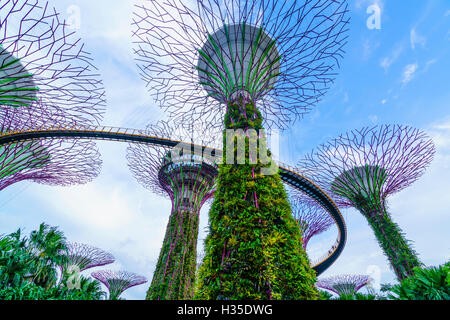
(254,247)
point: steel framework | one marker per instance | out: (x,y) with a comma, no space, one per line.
(362,168)
(42,62)
(311,217)
(84,257)
(198,57)
(118,281)
(372,163)
(59,162)
(189,182)
(344,284)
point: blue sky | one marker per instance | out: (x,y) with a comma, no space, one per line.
(395,75)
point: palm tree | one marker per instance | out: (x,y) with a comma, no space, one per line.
(47,245)
(15,260)
(92,288)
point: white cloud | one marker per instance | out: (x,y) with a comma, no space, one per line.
(389,60)
(368,48)
(409,72)
(415,39)
(429,63)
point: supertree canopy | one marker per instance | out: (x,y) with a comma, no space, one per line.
(200,56)
(310,216)
(84,257)
(42,62)
(118,281)
(55,162)
(237,63)
(189,181)
(344,284)
(363,167)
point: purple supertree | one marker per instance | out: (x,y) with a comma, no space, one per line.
(362,168)
(118,281)
(347,284)
(199,56)
(47,80)
(42,62)
(189,181)
(83,256)
(310,216)
(58,162)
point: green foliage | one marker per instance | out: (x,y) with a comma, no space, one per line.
(174,275)
(254,246)
(395,246)
(325,295)
(425,284)
(27,290)
(28,268)
(46,244)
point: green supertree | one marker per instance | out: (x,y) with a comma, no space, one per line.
(254,247)
(257,60)
(362,168)
(189,182)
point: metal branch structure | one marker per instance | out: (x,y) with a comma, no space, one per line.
(347,284)
(83,256)
(41,62)
(310,216)
(57,162)
(199,56)
(189,181)
(362,168)
(118,281)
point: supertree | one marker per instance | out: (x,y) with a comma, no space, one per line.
(310,216)
(362,168)
(118,281)
(213,62)
(83,256)
(47,80)
(54,161)
(347,284)
(42,62)
(189,181)
(198,58)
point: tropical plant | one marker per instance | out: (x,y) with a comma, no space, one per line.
(431,283)
(28,268)
(47,245)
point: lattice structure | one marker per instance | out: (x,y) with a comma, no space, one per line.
(159,168)
(310,216)
(42,62)
(53,162)
(189,181)
(363,167)
(344,284)
(198,57)
(118,281)
(84,257)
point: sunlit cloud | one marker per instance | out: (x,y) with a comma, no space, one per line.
(409,73)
